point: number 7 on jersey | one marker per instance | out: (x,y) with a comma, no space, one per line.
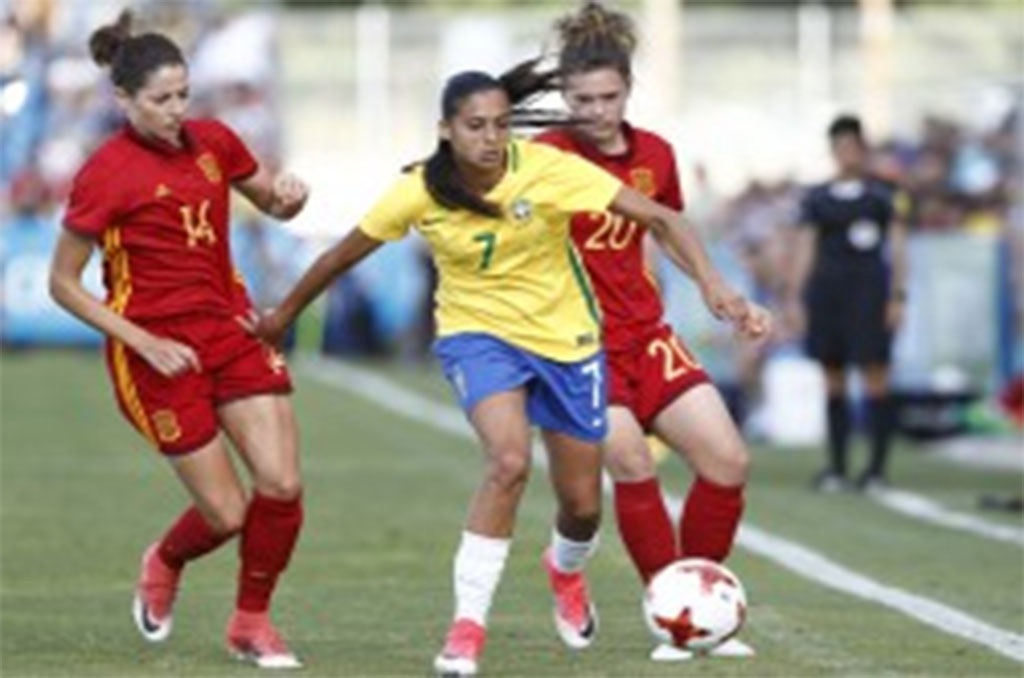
(488,239)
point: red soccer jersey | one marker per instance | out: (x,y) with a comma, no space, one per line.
(612,247)
(161,214)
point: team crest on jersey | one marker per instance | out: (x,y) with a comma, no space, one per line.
(210,168)
(166,424)
(522,209)
(642,179)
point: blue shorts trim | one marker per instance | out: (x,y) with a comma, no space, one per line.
(569,398)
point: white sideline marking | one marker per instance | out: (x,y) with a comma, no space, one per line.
(922,508)
(787,554)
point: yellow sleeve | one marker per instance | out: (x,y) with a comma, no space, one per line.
(398,209)
(577,184)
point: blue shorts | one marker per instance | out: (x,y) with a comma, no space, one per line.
(570,398)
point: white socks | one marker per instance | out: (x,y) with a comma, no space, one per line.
(478,566)
(570,556)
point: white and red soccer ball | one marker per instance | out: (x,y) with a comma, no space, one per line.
(694,604)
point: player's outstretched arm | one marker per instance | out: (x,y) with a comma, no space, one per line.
(684,249)
(342,256)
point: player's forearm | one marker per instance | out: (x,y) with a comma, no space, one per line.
(336,261)
(670,252)
(684,248)
(76,300)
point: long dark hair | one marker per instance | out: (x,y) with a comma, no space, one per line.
(132,58)
(595,37)
(522,84)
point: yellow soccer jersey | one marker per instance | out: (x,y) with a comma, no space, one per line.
(517,277)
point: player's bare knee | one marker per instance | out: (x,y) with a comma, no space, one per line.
(508,468)
(735,464)
(629,466)
(227,517)
(284,488)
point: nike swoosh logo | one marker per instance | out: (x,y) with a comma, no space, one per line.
(147,623)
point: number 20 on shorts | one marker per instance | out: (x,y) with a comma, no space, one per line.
(676,360)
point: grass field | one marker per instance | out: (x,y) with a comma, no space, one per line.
(368,592)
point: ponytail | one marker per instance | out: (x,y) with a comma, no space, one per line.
(522,83)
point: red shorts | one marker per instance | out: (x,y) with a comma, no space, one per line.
(179,414)
(647,377)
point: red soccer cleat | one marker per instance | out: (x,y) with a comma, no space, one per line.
(154,597)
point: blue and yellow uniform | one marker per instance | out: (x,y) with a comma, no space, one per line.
(515,279)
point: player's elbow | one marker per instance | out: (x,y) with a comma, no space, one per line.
(59,287)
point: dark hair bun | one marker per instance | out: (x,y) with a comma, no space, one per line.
(107,41)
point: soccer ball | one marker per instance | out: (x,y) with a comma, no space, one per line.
(694,604)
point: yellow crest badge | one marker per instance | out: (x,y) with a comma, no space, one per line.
(211,169)
(642,180)
(166,424)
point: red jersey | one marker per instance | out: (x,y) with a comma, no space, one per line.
(161,214)
(611,246)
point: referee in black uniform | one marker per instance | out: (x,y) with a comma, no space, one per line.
(847,292)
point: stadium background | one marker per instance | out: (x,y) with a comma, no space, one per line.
(345,93)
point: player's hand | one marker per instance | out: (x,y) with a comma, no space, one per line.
(270,326)
(794,318)
(248,320)
(724,302)
(758,323)
(290,194)
(894,311)
(168,357)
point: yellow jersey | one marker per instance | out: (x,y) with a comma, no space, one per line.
(517,277)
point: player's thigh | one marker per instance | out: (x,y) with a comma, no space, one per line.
(175,414)
(626,453)
(211,480)
(667,370)
(698,426)
(252,388)
(263,430)
(501,424)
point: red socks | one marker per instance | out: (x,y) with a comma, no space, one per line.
(645,526)
(710,519)
(189,537)
(268,539)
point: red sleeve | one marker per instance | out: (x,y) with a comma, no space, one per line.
(92,205)
(672,192)
(233,155)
